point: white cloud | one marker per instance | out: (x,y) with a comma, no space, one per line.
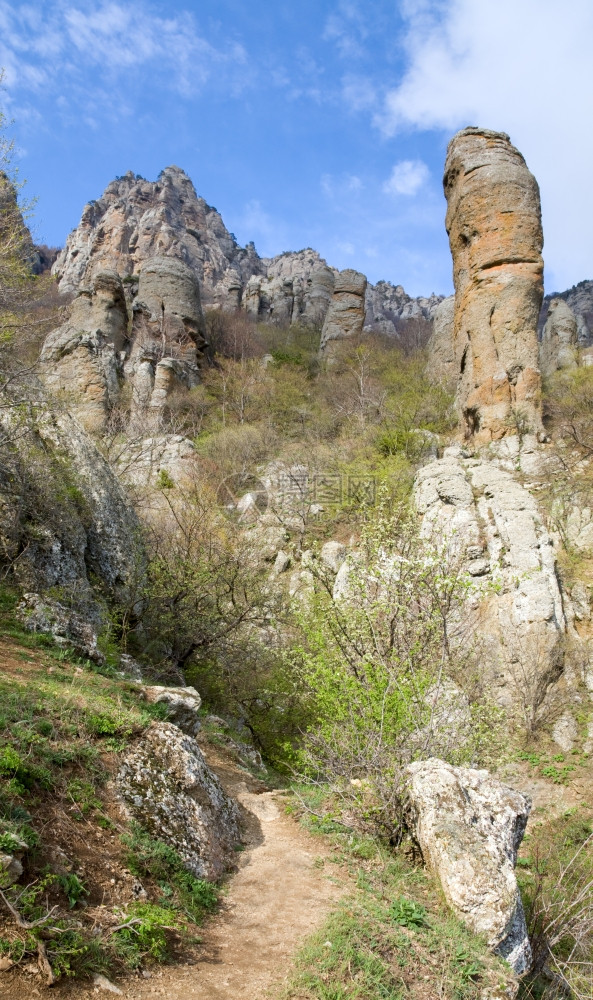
(520,67)
(407,177)
(347,26)
(347,248)
(337,187)
(52,46)
(358,92)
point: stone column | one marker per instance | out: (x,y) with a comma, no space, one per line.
(495,234)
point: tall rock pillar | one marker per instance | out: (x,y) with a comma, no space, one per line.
(344,319)
(495,234)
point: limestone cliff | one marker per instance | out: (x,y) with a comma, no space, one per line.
(136,220)
(494,226)
(558,348)
(150,336)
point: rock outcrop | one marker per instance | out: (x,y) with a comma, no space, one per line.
(165,784)
(137,220)
(579,299)
(443,365)
(495,234)
(389,307)
(182,704)
(558,348)
(69,521)
(516,614)
(67,627)
(469,828)
(152,335)
(345,317)
(83,358)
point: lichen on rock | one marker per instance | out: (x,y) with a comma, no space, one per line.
(469,827)
(165,784)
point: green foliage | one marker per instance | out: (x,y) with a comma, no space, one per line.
(408,913)
(371,946)
(164,480)
(556,880)
(378,662)
(73,888)
(150,858)
(146,937)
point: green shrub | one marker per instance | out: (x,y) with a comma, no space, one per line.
(556,880)
(150,858)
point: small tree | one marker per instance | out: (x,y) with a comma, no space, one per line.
(381,656)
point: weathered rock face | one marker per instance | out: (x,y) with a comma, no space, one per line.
(83,358)
(469,828)
(166,786)
(345,317)
(579,299)
(67,627)
(91,532)
(493,525)
(182,703)
(154,336)
(495,234)
(136,220)
(443,366)
(388,307)
(558,348)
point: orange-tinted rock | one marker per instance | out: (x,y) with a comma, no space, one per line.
(495,234)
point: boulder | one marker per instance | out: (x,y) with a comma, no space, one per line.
(558,348)
(11,870)
(68,628)
(166,786)
(345,316)
(495,233)
(332,555)
(469,826)
(182,703)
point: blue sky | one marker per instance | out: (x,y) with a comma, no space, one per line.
(317,123)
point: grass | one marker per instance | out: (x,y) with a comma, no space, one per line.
(60,720)
(391,937)
(178,888)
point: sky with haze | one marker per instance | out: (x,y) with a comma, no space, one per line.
(318,123)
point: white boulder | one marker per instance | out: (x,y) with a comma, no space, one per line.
(469,827)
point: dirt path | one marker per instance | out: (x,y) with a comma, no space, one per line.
(276,898)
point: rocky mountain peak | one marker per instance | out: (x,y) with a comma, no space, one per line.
(135,220)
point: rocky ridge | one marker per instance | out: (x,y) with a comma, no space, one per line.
(135,220)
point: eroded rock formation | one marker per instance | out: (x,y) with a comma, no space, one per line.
(469,827)
(516,615)
(345,317)
(495,234)
(443,366)
(558,348)
(83,358)
(579,299)
(136,220)
(151,333)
